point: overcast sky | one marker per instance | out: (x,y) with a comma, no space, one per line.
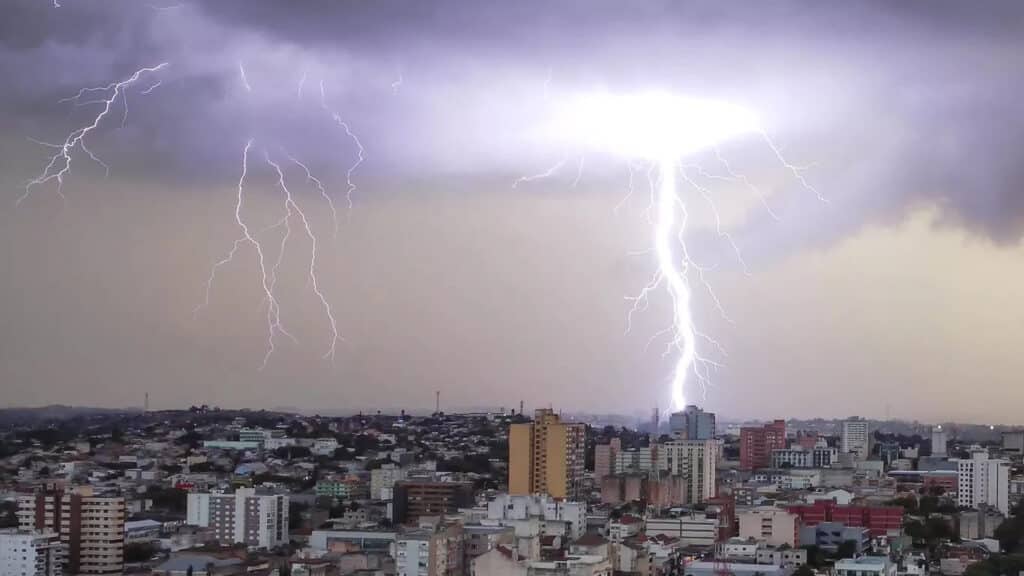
(902,289)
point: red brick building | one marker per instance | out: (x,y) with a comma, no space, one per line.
(757,443)
(879,520)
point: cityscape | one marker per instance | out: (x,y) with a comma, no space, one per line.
(217,491)
(511,288)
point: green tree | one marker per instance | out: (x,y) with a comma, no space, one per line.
(803,570)
(847,549)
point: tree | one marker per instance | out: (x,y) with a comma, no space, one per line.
(139,551)
(847,549)
(803,570)
(1011,532)
(814,555)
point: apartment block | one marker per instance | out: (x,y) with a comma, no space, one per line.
(758,442)
(30,553)
(91,527)
(414,499)
(546,456)
(244,517)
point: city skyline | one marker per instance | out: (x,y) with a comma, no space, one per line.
(897,293)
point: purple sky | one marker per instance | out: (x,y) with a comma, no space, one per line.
(902,289)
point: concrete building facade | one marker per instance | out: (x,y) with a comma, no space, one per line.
(546,456)
(244,517)
(91,527)
(983,481)
(30,553)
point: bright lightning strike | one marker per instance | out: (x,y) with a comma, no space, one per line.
(59,165)
(663,129)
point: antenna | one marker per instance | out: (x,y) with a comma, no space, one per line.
(437,402)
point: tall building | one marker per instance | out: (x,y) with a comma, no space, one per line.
(820,456)
(636,459)
(604,459)
(757,444)
(245,517)
(855,438)
(692,423)
(983,481)
(546,457)
(939,441)
(416,498)
(696,462)
(30,553)
(91,527)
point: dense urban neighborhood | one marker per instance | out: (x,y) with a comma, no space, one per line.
(206,491)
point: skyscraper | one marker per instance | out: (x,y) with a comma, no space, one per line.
(546,457)
(855,438)
(692,423)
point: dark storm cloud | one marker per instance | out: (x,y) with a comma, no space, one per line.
(901,105)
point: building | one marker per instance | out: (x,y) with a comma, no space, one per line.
(696,462)
(830,535)
(604,459)
(865,566)
(983,481)
(818,456)
(91,527)
(692,530)
(244,517)
(692,423)
(30,553)
(508,510)
(939,441)
(416,498)
(1013,442)
(430,551)
(636,460)
(757,444)
(382,481)
(546,456)
(855,438)
(981,523)
(879,520)
(772,525)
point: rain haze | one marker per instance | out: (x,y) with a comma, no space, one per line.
(877,223)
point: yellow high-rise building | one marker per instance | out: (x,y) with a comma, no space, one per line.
(546,457)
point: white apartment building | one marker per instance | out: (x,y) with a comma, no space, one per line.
(694,460)
(821,456)
(324,446)
(855,438)
(507,509)
(383,479)
(30,553)
(245,517)
(981,480)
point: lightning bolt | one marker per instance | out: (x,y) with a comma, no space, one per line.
(59,165)
(360,151)
(293,209)
(243,77)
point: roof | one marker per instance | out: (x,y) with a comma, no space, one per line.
(590,539)
(141,525)
(198,562)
